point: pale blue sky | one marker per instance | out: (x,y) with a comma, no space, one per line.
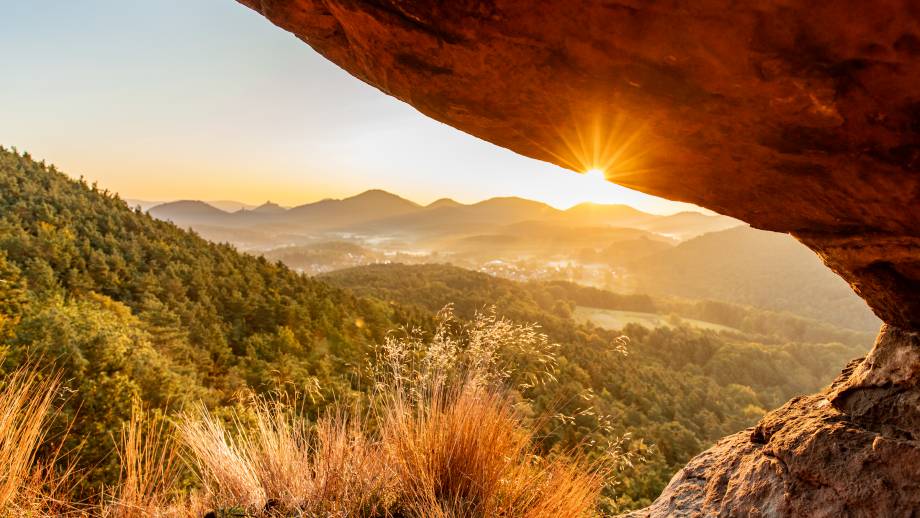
(205,99)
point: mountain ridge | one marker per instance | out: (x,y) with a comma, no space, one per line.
(380,211)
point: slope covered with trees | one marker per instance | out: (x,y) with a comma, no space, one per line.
(130,306)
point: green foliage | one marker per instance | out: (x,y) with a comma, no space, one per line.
(676,392)
(106,359)
(12,297)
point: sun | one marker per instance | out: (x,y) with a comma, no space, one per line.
(596,174)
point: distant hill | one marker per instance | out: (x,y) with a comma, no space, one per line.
(378,212)
(688,224)
(497,212)
(597,214)
(229,205)
(453,218)
(547,238)
(269,208)
(321,215)
(625,252)
(682,225)
(189,212)
(340,214)
(224,205)
(763,269)
(443,202)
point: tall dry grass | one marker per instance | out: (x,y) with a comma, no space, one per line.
(463,452)
(442,438)
(446,441)
(150,470)
(270,461)
(29,485)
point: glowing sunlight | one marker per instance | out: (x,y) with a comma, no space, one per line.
(595,174)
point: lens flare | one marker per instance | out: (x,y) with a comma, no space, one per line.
(604,143)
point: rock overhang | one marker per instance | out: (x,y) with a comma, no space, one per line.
(793,116)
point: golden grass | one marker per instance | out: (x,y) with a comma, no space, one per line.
(150,470)
(29,486)
(462,452)
(442,439)
(456,452)
(276,462)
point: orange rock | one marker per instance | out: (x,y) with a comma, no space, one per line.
(795,116)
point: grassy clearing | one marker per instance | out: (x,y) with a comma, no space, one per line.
(615,319)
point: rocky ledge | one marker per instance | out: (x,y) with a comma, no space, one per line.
(851,450)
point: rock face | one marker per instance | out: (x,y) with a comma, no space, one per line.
(850,450)
(795,116)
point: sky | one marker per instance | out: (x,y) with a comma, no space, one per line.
(205,99)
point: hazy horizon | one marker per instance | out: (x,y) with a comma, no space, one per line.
(165,101)
(252,204)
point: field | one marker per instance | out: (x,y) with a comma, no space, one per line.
(615,319)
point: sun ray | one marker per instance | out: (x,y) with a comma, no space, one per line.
(606,140)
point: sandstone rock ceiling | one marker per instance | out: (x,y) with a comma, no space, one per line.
(795,116)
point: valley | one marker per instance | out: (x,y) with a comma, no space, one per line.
(612,247)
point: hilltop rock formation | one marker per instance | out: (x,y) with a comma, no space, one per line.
(799,117)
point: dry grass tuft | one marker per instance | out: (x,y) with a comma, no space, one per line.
(222,461)
(273,462)
(451,433)
(29,486)
(464,453)
(150,469)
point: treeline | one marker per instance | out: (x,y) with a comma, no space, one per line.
(761,324)
(436,284)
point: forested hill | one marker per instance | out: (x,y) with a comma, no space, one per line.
(129,305)
(764,269)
